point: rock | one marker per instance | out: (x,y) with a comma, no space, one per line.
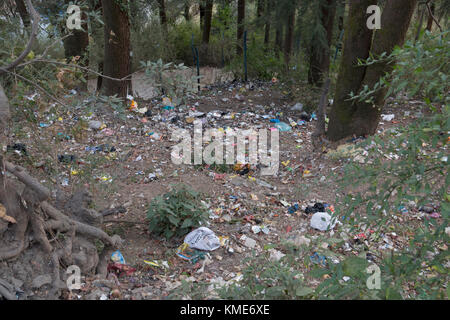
(447,231)
(248,242)
(322,221)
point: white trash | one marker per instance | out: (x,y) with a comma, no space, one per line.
(297,107)
(388,117)
(322,221)
(202,239)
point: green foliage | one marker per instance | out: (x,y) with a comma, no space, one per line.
(415,174)
(176,212)
(266,279)
(171,79)
(262,63)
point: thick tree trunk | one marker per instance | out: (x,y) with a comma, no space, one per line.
(207,22)
(77,45)
(22,9)
(162,15)
(289,40)
(357,42)
(361,118)
(117,48)
(202,13)
(320,55)
(241,26)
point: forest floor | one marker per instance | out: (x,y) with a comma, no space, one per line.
(140,168)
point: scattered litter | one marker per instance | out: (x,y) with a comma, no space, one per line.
(118,257)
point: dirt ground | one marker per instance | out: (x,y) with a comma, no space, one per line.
(140,169)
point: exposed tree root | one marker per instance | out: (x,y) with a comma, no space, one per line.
(65,239)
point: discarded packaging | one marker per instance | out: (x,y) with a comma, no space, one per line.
(322,221)
(202,239)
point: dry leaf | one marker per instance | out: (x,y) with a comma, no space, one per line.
(4,216)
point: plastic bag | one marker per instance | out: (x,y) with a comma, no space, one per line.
(202,239)
(322,221)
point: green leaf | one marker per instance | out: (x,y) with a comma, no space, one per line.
(303,291)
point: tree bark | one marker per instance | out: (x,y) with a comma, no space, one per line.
(162,15)
(22,9)
(187,9)
(208,20)
(117,48)
(260,8)
(77,45)
(202,13)
(279,37)
(361,118)
(240,27)
(320,55)
(357,42)
(430,18)
(289,40)
(268,16)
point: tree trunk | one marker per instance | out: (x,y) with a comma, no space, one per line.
(202,13)
(279,36)
(361,118)
(320,55)
(117,48)
(207,22)
(240,27)
(260,8)
(22,9)
(77,45)
(289,40)
(430,18)
(162,15)
(268,17)
(187,8)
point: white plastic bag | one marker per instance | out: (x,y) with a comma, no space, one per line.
(322,221)
(202,239)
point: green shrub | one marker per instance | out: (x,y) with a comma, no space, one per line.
(176,212)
